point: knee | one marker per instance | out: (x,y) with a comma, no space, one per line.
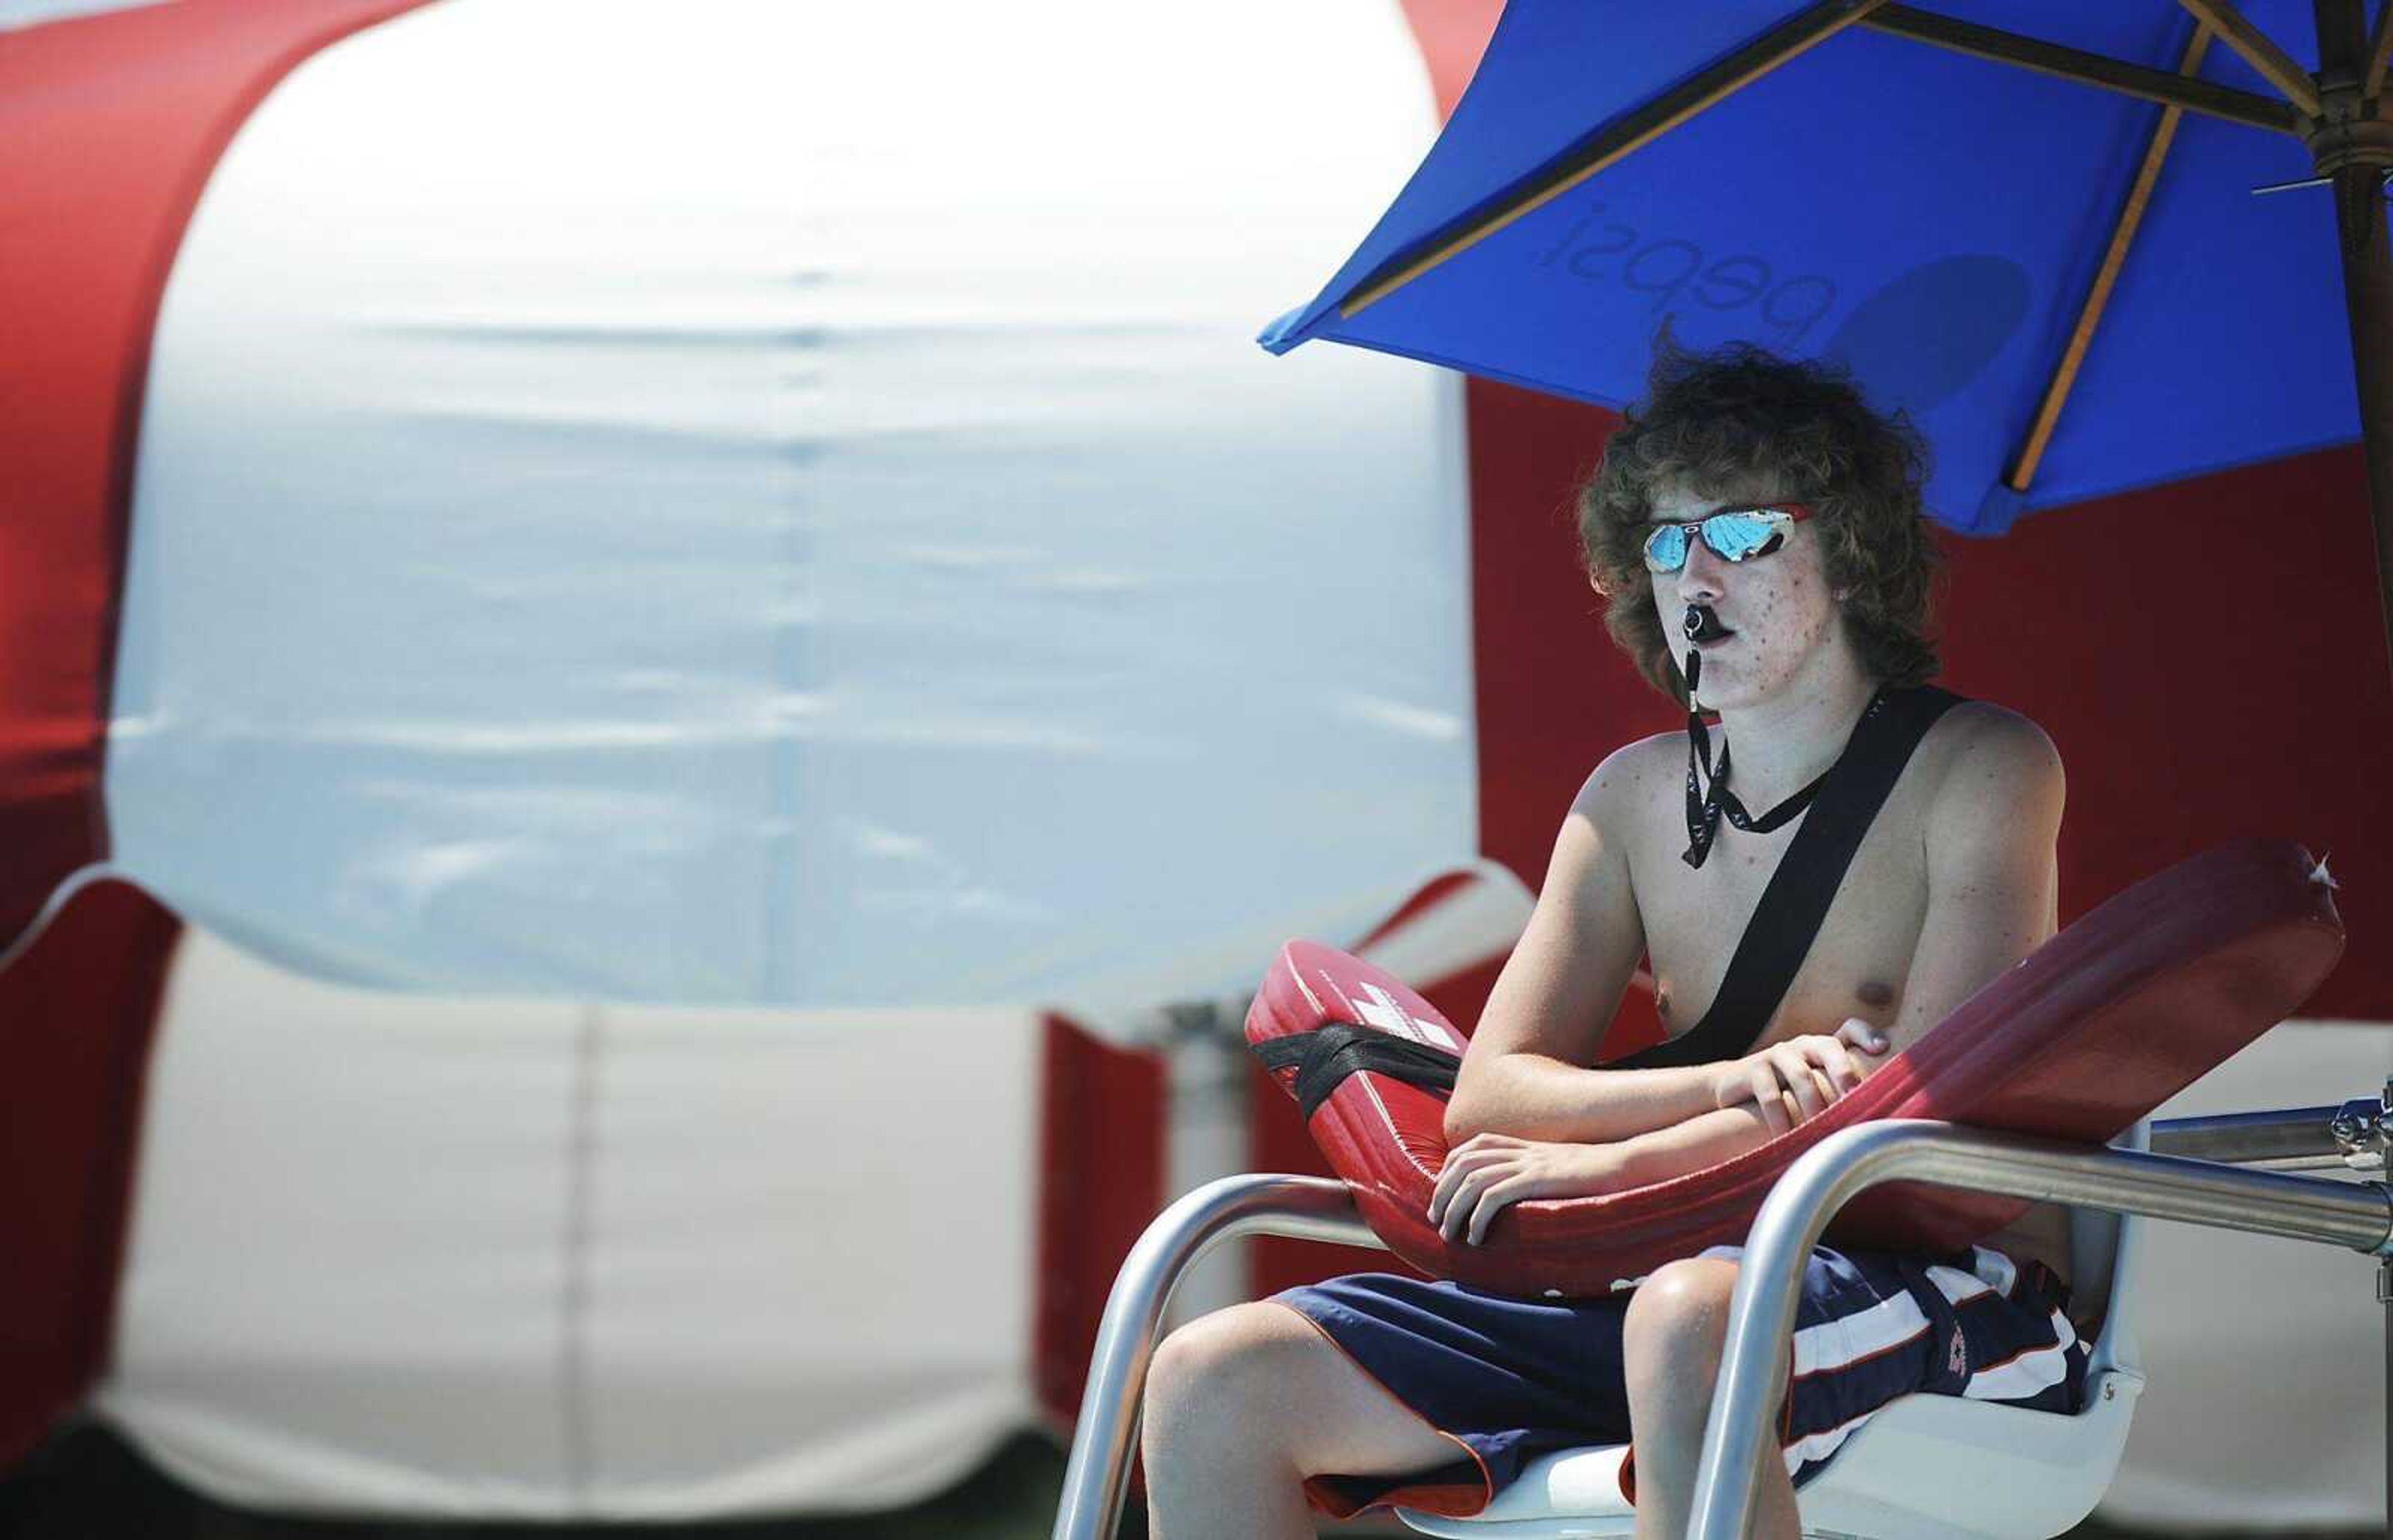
(1216,1373)
(1677,1322)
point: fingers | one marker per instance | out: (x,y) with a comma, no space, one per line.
(1481,1177)
(1837,1064)
(1791,1082)
(1449,1178)
(1794,1069)
(1769,1099)
(1464,1161)
(1492,1202)
(1762,1081)
(1863,1036)
(1457,1217)
(1753,1082)
(1487,1193)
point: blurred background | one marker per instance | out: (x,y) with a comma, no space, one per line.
(664,670)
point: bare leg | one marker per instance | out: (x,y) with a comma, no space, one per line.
(1671,1345)
(1244,1404)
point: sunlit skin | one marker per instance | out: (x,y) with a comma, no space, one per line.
(1783,677)
(1786,676)
(1243,1403)
(1789,667)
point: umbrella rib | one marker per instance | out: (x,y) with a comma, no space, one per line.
(2088,68)
(2380,51)
(1640,125)
(2275,65)
(2122,235)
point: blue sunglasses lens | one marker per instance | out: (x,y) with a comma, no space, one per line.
(1737,536)
(1733,537)
(1666,549)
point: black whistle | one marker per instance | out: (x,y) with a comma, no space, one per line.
(1700,623)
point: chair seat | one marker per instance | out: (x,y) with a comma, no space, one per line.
(1926,1468)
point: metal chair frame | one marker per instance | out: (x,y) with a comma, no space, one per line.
(2246,1178)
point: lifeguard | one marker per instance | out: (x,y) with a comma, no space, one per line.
(1757,514)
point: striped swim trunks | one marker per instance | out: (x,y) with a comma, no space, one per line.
(1510,1379)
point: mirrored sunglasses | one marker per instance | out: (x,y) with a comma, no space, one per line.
(1733,534)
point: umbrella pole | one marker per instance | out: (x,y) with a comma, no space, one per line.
(2368,298)
(2356,161)
(2353,147)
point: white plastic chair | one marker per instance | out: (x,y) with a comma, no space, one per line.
(1926,1468)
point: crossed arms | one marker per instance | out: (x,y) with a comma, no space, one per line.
(1527,1119)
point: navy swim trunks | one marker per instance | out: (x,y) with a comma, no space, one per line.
(1510,1379)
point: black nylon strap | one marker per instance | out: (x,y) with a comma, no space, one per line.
(1327,1055)
(1705,809)
(1787,920)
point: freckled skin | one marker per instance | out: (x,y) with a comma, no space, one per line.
(1779,607)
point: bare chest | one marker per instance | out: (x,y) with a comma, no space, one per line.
(1856,966)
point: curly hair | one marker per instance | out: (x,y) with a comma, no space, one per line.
(1742,422)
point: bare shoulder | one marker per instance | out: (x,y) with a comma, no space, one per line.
(1977,741)
(1621,791)
(1996,772)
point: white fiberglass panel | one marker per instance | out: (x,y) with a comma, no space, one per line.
(746,502)
(2266,1410)
(510,1257)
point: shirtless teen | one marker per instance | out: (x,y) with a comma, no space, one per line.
(1377,1388)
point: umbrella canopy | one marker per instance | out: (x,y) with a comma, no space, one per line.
(2072,287)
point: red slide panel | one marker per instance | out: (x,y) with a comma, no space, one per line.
(78,1013)
(113,123)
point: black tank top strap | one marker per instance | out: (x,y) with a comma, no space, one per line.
(1787,918)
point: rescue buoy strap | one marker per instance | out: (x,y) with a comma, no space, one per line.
(1324,1056)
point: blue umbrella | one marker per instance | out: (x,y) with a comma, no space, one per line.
(2086,247)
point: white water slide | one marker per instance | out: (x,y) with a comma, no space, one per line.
(749,514)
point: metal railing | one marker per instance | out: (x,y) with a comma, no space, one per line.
(1761,1309)
(1098,1476)
(2221,1192)
(2349,1137)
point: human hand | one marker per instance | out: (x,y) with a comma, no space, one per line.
(1792,1082)
(1488,1171)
